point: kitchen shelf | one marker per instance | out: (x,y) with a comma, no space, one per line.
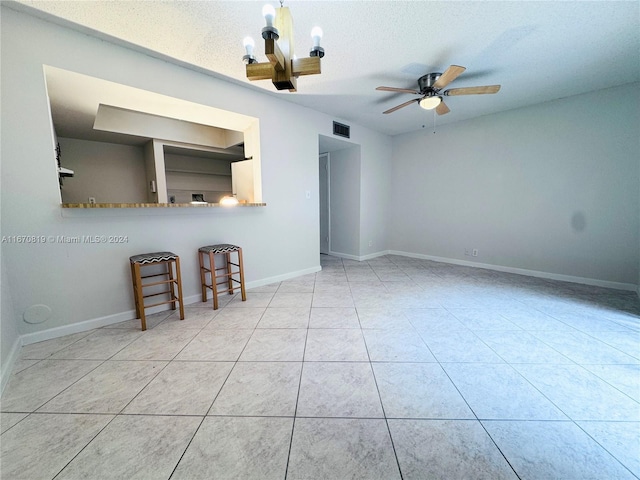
(197,172)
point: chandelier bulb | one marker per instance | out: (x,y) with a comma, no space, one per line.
(316,50)
(269,32)
(316,35)
(248,44)
(269,14)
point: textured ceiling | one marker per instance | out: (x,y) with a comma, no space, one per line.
(537,51)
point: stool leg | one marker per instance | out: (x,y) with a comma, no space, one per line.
(203,276)
(229,273)
(143,318)
(179,282)
(214,285)
(171,283)
(241,267)
(135,290)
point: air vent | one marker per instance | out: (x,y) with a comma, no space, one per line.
(341,130)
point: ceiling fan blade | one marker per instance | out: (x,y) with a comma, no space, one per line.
(473,90)
(449,75)
(442,108)
(394,89)
(402,105)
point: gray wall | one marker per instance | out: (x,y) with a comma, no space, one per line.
(375,196)
(550,188)
(344,201)
(109,172)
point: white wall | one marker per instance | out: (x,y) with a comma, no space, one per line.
(550,188)
(91,281)
(9,335)
(109,172)
(375,196)
(344,201)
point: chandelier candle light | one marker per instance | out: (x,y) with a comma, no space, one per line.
(283,68)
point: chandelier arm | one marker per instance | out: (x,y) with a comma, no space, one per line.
(260,71)
(305,66)
(274,54)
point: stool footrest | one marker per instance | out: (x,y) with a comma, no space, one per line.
(220,291)
(162,282)
(153,275)
(169,292)
(230,274)
(160,303)
(210,287)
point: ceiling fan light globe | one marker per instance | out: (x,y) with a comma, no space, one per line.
(429,103)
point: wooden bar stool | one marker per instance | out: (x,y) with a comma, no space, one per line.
(173,281)
(211,251)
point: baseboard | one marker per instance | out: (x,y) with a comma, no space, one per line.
(99,322)
(523,271)
(61,331)
(7,367)
(371,256)
(359,258)
(283,277)
(344,255)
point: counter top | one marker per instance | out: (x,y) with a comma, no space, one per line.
(158,205)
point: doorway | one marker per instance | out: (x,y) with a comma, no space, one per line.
(339,197)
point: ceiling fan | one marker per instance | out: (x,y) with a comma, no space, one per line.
(430,92)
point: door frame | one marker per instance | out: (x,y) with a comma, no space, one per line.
(327,191)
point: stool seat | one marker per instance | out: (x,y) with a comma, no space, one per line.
(225,272)
(172,282)
(222,248)
(155,257)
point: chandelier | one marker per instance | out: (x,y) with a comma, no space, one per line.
(283,67)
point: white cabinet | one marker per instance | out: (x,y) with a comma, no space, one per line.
(242,180)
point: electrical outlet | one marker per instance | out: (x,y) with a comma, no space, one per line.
(92,200)
(466,252)
(475,252)
(371,243)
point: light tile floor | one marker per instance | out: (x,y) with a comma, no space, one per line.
(391,368)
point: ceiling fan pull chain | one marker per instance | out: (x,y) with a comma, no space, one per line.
(434,122)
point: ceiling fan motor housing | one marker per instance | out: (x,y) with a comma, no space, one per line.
(426,82)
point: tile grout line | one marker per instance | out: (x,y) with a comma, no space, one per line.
(295,410)
(375,381)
